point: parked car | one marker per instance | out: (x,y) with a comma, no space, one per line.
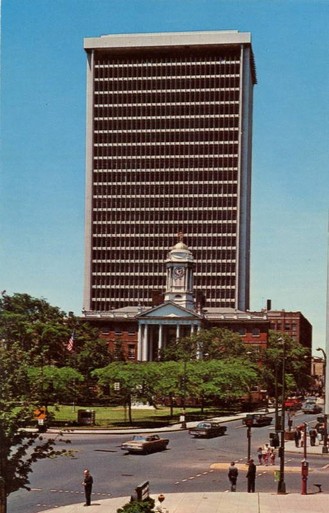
(208,429)
(311,408)
(144,444)
(257,420)
(310,399)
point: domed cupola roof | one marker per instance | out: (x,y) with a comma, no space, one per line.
(180,251)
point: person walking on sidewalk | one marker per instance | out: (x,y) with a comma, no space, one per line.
(88,484)
(297,436)
(251,476)
(313,436)
(233,476)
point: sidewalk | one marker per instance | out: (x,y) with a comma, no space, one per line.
(218,502)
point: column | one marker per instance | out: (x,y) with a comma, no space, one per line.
(140,342)
(145,343)
(160,339)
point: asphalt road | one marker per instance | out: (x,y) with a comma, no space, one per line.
(185,466)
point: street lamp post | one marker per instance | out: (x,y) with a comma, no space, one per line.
(249,424)
(304,462)
(325,417)
(281,482)
(277,428)
(183,415)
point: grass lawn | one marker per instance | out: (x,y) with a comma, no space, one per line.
(118,416)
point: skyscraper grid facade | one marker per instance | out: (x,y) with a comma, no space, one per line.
(169,131)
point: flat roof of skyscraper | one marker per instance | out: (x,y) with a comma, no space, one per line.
(197,38)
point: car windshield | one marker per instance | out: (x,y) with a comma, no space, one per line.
(139,438)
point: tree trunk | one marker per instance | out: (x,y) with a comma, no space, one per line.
(129,410)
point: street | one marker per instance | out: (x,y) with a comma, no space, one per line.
(188,465)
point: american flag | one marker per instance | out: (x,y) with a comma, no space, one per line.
(70,344)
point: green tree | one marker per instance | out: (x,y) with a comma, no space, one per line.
(43,332)
(216,343)
(296,363)
(50,384)
(168,382)
(34,325)
(19,448)
(128,376)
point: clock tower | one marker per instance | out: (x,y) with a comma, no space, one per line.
(179,265)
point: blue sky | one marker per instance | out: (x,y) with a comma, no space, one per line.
(43,140)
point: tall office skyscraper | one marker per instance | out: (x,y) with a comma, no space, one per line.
(169,130)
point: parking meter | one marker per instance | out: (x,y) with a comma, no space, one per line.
(304,468)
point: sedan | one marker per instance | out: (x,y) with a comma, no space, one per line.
(257,420)
(293,403)
(311,408)
(207,430)
(144,444)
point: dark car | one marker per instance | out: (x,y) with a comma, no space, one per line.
(208,430)
(257,420)
(144,444)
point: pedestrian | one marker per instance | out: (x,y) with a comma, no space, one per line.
(297,436)
(313,436)
(272,455)
(260,455)
(251,476)
(158,506)
(266,453)
(233,476)
(88,484)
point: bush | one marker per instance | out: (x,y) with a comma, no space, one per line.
(138,507)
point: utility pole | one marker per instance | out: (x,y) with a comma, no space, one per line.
(281,482)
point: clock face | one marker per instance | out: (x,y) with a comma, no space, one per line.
(179,272)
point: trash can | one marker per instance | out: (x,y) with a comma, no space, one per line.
(86,417)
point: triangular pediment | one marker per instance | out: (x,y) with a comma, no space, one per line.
(169,310)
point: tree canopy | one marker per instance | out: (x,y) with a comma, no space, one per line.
(215,343)
(296,357)
(19,447)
